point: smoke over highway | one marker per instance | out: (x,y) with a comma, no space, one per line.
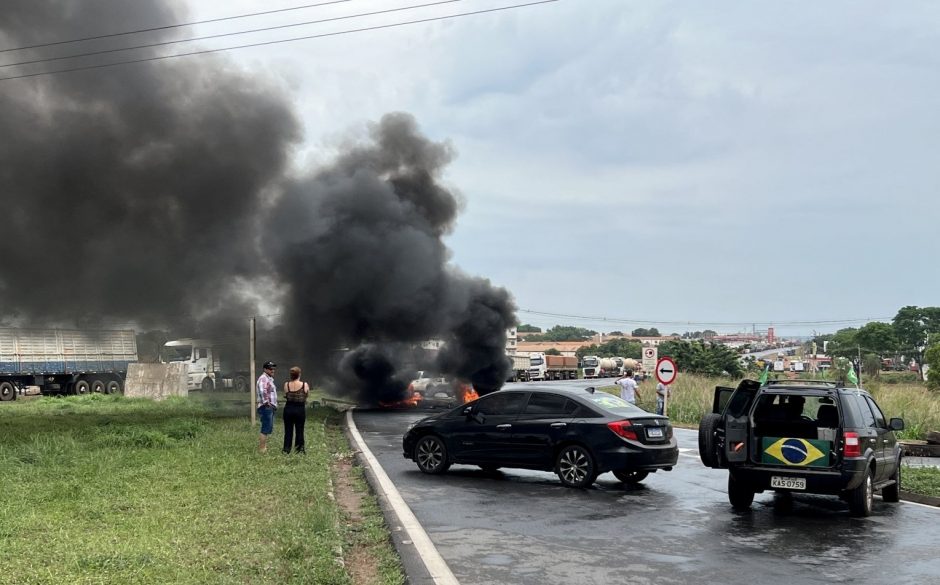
(158,194)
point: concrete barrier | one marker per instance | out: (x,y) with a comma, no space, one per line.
(156,381)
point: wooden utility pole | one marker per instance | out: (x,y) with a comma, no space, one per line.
(251,353)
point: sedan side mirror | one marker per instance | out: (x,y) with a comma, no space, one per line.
(896,424)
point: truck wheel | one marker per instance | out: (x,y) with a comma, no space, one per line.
(81,387)
(706,440)
(207,384)
(739,494)
(241,383)
(113,387)
(97,386)
(7,391)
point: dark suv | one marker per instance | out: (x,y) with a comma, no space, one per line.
(802,436)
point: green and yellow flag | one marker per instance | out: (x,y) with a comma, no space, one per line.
(795,452)
(850,375)
(763,376)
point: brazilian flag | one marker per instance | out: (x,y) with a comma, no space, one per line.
(796,452)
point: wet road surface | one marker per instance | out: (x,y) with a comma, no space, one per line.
(523,527)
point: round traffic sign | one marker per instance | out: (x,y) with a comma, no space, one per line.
(666,370)
(649,353)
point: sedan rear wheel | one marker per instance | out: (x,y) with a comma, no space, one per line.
(575,467)
(631,476)
(431,455)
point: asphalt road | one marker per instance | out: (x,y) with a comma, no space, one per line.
(523,527)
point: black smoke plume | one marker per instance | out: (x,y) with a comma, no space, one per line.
(158,194)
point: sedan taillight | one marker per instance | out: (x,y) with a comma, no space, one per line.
(853,447)
(623,428)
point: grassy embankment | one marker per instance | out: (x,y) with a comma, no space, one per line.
(103,489)
(919,407)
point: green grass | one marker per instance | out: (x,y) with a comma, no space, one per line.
(921,480)
(104,489)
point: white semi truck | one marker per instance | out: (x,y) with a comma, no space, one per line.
(209,366)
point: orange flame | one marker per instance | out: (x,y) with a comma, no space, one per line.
(413,400)
(466,393)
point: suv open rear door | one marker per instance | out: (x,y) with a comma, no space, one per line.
(736,420)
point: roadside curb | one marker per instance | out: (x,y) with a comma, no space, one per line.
(920,499)
(421,562)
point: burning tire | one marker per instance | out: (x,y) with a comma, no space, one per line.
(431,455)
(575,467)
(631,476)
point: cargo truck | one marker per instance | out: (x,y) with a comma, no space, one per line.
(64,361)
(552,367)
(209,366)
(520,367)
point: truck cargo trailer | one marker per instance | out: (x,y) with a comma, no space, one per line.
(64,361)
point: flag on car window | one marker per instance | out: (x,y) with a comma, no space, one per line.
(763,376)
(850,375)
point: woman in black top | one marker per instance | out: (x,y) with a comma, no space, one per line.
(295,413)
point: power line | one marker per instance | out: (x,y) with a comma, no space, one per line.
(701,323)
(169,26)
(265,43)
(229,34)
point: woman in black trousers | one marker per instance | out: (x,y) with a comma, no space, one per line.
(296,392)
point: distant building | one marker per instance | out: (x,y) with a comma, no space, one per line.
(512,341)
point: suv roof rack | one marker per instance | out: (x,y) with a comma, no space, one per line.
(827,383)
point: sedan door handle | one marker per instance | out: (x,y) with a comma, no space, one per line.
(559,425)
(505,427)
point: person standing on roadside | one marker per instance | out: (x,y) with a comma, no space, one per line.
(663,392)
(267,403)
(628,387)
(296,392)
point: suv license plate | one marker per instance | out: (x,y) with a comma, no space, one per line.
(790,483)
(654,433)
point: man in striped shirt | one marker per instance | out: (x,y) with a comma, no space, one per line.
(267,403)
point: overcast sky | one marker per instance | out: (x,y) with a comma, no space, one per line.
(704,162)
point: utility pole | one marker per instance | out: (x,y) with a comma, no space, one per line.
(251,353)
(859,347)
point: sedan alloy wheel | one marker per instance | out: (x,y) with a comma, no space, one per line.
(431,455)
(575,466)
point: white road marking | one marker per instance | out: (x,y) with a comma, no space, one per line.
(438,569)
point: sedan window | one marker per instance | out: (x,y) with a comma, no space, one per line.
(546,404)
(501,404)
(614,404)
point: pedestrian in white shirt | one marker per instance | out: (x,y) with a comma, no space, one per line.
(628,388)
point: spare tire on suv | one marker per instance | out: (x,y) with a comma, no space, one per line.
(801,436)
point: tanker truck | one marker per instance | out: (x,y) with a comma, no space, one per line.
(552,367)
(601,367)
(64,361)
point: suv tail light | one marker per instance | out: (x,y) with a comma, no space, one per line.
(853,447)
(623,428)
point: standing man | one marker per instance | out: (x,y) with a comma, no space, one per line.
(267,404)
(628,387)
(662,392)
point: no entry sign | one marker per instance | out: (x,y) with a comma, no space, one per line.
(666,371)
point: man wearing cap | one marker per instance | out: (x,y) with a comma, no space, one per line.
(267,404)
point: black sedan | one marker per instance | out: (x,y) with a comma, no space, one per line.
(578,434)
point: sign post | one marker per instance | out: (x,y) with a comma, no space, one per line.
(666,372)
(650,355)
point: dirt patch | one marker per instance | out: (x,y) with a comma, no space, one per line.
(361,559)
